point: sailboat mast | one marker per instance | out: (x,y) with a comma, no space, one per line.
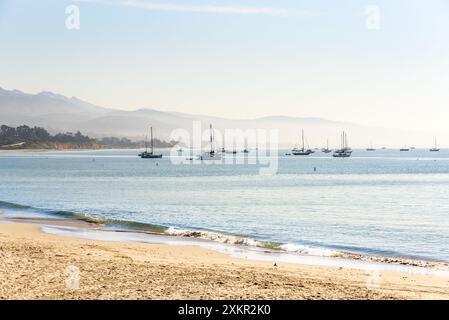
(146,143)
(341,141)
(211,139)
(302,139)
(151,130)
(345,140)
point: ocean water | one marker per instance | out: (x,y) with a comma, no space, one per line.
(386,202)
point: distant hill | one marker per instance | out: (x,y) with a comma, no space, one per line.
(58,113)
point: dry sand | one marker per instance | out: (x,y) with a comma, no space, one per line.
(33,265)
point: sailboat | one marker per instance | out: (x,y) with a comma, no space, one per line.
(345,151)
(308,148)
(211,155)
(370,147)
(405,149)
(146,154)
(435,149)
(327,150)
(223,149)
(302,151)
(246,150)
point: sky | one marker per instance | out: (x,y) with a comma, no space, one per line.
(238,58)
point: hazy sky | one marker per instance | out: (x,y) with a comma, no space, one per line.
(238,58)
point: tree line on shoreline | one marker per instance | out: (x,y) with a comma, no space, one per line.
(25,137)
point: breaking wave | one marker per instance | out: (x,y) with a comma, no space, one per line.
(171,231)
(238,240)
(296,248)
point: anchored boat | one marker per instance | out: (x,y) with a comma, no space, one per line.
(435,149)
(211,155)
(302,151)
(370,148)
(146,154)
(327,150)
(345,151)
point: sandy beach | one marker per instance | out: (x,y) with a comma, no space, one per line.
(34,265)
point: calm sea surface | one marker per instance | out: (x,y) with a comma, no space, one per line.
(385,202)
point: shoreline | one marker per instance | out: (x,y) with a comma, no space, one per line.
(64,150)
(78,149)
(83,225)
(95,230)
(34,264)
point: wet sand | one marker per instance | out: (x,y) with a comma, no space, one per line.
(36,265)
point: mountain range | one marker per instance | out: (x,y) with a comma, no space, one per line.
(58,113)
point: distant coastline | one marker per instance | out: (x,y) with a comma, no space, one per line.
(57,112)
(4,150)
(37,138)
